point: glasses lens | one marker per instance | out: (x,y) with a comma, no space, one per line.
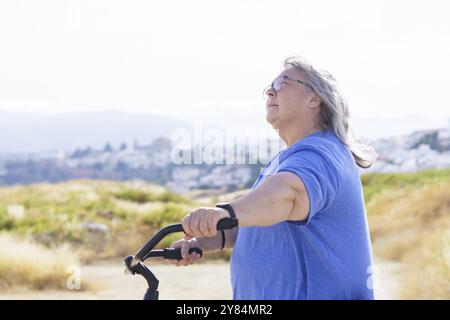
(278,83)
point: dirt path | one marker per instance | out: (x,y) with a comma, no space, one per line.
(201,281)
(388,285)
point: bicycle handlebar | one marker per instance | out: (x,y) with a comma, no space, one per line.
(134,264)
(145,251)
(172,253)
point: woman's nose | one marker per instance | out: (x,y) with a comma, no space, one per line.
(269,93)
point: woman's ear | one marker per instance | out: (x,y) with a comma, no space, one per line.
(314,102)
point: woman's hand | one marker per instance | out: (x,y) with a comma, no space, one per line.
(187,258)
(202,222)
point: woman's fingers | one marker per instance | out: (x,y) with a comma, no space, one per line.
(212,226)
(186,257)
(187,225)
(190,259)
(202,222)
(198,224)
(181,244)
(203,227)
(176,244)
(193,257)
(185,250)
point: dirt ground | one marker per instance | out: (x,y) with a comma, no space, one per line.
(200,281)
(209,280)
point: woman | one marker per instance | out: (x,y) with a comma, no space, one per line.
(303,230)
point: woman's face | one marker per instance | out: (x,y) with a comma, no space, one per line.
(294,103)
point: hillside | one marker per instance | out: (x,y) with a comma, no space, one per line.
(88,221)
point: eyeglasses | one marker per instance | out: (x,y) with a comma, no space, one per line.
(278,83)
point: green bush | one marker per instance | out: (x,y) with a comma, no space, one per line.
(374,183)
(168,214)
(134,195)
(140,196)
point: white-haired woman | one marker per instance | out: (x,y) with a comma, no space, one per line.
(303,231)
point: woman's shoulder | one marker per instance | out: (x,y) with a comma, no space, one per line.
(326,148)
(324,142)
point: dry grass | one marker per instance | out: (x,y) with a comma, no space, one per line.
(409,220)
(55,214)
(428,268)
(411,225)
(211,197)
(32,266)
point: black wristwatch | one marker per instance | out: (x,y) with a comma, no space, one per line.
(230,210)
(227,207)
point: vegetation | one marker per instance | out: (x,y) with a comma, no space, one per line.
(411,225)
(85,220)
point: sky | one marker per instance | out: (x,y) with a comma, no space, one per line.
(209,61)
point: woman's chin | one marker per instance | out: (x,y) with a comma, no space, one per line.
(272,121)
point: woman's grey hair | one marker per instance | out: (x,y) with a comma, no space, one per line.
(334,113)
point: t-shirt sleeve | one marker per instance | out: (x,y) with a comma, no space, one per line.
(318,175)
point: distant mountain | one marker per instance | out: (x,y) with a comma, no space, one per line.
(155,162)
(374,128)
(25,132)
(36,132)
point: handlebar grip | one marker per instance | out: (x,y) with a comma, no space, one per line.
(227,223)
(145,251)
(175,253)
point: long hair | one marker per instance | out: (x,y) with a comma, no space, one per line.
(334,112)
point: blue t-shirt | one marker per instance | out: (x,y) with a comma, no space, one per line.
(327,256)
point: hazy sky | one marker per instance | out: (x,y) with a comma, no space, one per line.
(209,60)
